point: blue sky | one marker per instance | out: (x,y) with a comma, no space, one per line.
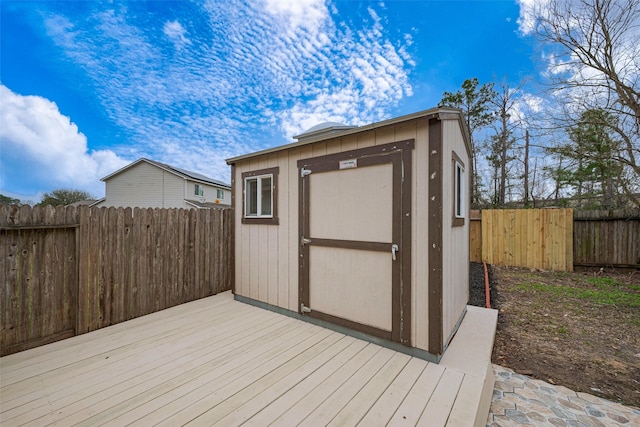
(87,87)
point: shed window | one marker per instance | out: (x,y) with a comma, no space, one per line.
(260,196)
(199,190)
(459,191)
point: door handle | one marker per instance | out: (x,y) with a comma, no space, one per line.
(394,249)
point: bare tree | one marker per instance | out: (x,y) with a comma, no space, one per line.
(595,64)
(502,143)
(475,103)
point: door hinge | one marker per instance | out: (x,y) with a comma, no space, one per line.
(304,241)
(304,308)
(304,172)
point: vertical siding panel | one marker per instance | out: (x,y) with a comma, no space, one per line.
(380,136)
(254,265)
(273,267)
(333,146)
(263,263)
(284,197)
(291,238)
(349,142)
(319,149)
(405,132)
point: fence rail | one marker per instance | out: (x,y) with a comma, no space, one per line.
(67,271)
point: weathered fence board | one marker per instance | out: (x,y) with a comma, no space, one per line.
(607,238)
(39,277)
(68,271)
(536,238)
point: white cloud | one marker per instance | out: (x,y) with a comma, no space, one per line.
(308,15)
(529,10)
(282,66)
(176,33)
(47,147)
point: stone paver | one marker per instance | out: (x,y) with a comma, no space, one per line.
(520,400)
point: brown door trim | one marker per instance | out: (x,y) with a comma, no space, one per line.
(352,244)
(399,154)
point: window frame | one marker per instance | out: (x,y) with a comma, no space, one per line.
(459,192)
(218,192)
(259,175)
(198,190)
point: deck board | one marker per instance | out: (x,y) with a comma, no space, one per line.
(217,361)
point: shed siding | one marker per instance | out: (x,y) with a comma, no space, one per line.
(267,259)
(455,240)
(272,274)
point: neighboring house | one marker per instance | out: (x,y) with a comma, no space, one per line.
(149,184)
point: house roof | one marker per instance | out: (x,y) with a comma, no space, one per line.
(206,205)
(312,135)
(194,176)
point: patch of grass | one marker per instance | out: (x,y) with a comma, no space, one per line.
(608,282)
(562,330)
(604,295)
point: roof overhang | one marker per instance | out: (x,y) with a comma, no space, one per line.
(441,113)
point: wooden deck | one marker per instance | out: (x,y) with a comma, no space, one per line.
(217,361)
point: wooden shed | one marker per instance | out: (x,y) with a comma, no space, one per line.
(361,229)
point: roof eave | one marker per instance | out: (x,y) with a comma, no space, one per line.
(440,112)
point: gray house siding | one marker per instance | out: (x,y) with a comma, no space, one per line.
(147,185)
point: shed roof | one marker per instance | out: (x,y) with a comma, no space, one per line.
(174,170)
(311,137)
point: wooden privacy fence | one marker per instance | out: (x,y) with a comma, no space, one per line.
(535,238)
(556,239)
(67,271)
(606,238)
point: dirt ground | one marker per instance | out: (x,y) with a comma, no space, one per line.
(580,330)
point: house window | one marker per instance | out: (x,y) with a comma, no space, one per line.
(459,191)
(219,194)
(199,191)
(260,196)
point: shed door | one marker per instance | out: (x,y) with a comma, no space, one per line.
(352,243)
